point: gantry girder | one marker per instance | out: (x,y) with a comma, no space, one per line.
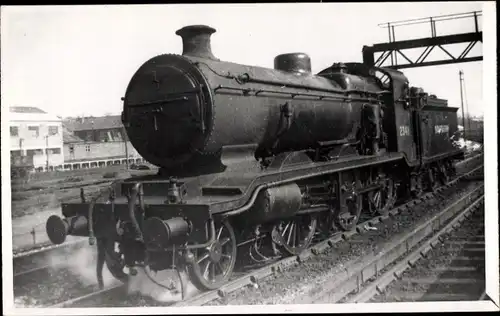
(394,49)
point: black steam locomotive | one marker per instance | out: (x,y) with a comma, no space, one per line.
(256,162)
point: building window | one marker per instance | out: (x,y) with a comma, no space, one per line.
(87,148)
(54,151)
(35,131)
(15,153)
(71,149)
(14,131)
(89,136)
(34,152)
(53,130)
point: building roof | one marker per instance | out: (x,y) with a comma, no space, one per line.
(25,109)
(94,123)
(30,114)
(69,137)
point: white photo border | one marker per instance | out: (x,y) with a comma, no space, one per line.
(491,227)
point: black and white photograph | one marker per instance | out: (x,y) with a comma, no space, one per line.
(249,157)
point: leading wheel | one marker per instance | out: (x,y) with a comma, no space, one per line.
(213,266)
(113,257)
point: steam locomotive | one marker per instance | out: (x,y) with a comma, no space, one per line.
(254,163)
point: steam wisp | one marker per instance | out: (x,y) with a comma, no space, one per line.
(159,289)
(81,262)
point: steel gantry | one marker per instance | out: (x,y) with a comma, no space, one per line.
(393,49)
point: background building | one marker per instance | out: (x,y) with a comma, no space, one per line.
(36,141)
(91,142)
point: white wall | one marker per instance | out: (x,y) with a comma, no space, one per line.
(98,150)
(27,140)
(54,160)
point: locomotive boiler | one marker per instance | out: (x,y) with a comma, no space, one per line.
(179,110)
(254,162)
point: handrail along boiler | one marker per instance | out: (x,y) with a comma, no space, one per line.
(254,163)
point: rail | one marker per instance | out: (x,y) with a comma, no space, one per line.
(87,296)
(410,260)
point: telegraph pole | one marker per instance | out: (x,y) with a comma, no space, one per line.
(47,151)
(466,103)
(125,142)
(461,73)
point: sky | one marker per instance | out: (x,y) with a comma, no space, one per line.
(78,60)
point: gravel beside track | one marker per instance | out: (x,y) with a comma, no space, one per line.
(44,278)
(30,203)
(453,269)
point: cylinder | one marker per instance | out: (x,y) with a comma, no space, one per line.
(59,228)
(277,202)
(162,234)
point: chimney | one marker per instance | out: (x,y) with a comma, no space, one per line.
(196,41)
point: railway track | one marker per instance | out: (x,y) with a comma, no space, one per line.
(254,276)
(36,259)
(32,271)
(351,277)
(448,266)
(373,273)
